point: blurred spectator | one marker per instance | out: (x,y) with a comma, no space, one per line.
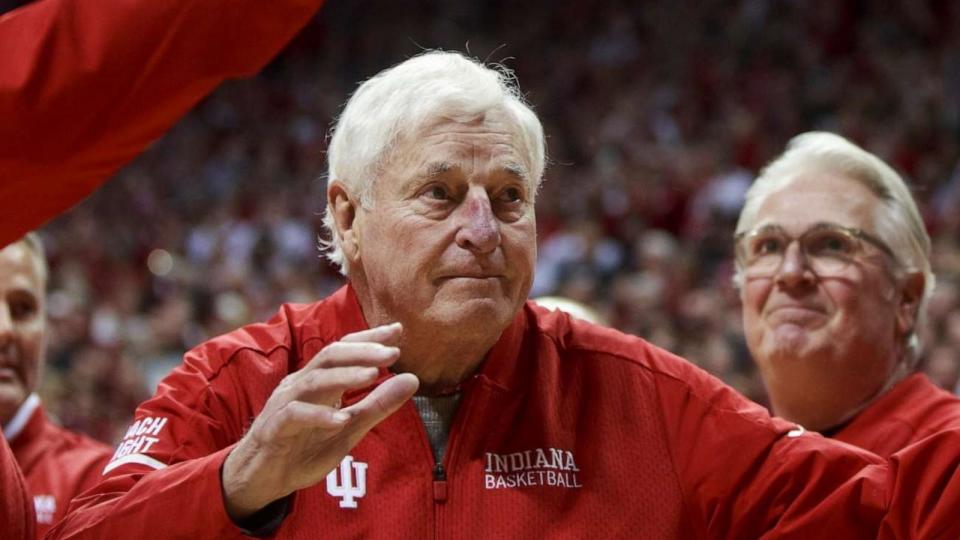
(57,464)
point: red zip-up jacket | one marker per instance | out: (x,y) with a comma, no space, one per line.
(85,86)
(568,430)
(913,409)
(57,464)
(16,510)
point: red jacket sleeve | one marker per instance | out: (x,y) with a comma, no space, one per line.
(17,519)
(86,86)
(170,458)
(752,476)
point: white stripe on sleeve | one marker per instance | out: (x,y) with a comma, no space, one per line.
(134,458)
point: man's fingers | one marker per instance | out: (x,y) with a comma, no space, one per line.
(326,385)
(382,401)
(343,353)
(374,347)
(388,334)
(299,416)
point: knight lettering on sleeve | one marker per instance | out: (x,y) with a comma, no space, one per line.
(138,440)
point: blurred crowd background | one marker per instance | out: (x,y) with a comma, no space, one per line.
(658,116)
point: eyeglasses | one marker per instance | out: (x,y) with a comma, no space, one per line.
(828,248)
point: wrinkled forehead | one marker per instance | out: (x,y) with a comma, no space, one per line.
(492,139)
(817,198)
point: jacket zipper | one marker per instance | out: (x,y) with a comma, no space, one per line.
(439,484)
(440,469)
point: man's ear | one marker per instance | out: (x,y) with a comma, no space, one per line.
(911,294)
(344,208)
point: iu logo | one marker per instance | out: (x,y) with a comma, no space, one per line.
(346,486)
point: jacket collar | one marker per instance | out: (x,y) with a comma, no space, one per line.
(25,419)
(348,314)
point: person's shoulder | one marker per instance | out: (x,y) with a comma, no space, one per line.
(934,409)
(671,373)
(279,331)
(288,328)
(937,396)
(245,365)
(72,461)
(571,334)
(75,448)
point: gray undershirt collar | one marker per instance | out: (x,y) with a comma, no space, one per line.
(437,414)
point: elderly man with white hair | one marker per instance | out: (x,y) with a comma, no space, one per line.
(834,273)
(525,423)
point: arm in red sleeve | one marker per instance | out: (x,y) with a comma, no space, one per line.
(17,519)
(752,476)
(182,500)
(925,489)
(164,478)
(86,86)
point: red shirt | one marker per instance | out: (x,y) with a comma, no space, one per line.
(16,513)
(85,86)
(913,409)
(568,430)
(57,464)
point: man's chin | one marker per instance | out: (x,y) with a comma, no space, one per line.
(791,337)
(12,395)
(796,345)
(474,313)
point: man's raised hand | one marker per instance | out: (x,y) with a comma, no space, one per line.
(301,434)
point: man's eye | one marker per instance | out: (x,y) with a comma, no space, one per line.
(831,243)
(22,310)
(511,194)
(438,192)
(767,246)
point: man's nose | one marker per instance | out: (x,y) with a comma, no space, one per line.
(479,230)
(794,268)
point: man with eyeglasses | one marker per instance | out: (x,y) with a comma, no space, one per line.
(834,273)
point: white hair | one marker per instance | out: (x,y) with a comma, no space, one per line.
(398,103)
(897,220)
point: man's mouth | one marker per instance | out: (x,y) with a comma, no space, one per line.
(469,276)
(7,374)
(794,314)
